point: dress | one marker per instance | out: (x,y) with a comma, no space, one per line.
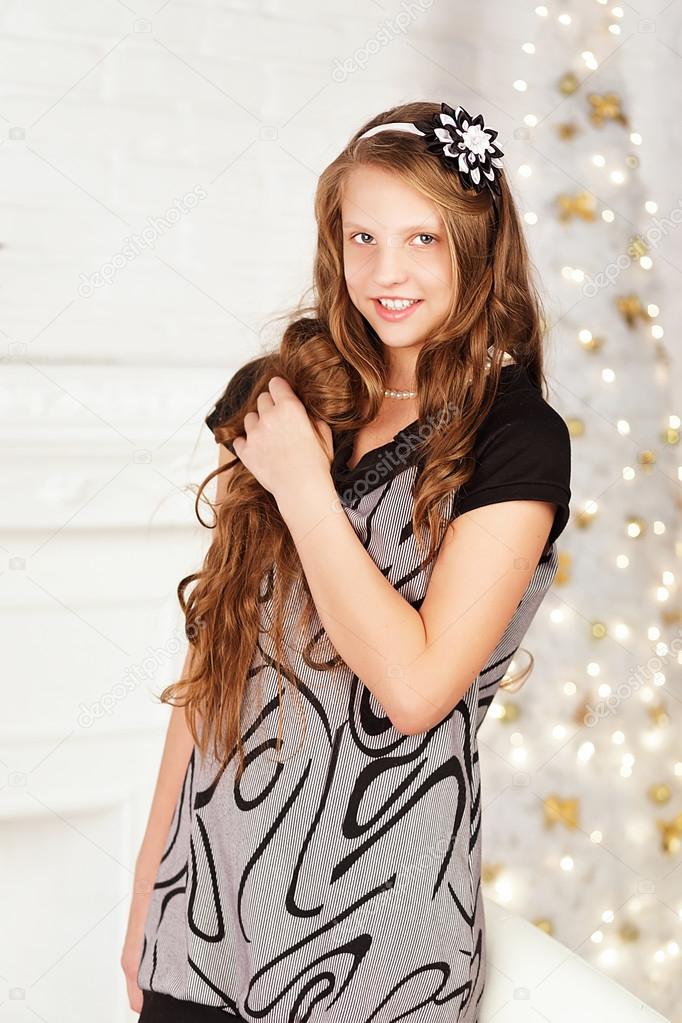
(344,884)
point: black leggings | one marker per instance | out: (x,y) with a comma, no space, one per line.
(160,1008)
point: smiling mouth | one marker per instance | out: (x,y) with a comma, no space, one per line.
(400,312)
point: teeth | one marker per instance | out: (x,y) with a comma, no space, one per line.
(390,303)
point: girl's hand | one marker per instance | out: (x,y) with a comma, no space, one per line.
(281,447)
(132,946)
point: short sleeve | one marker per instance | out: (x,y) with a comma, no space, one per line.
(234,396)
(523,455)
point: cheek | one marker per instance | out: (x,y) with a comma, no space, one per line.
(437,278)
(354,266)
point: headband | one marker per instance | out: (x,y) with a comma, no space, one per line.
(463,142)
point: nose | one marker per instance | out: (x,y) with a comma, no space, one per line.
(391,264)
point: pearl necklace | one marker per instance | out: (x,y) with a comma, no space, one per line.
(390,393)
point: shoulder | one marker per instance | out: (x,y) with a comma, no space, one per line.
(520,414)
(522,452)
(235,394)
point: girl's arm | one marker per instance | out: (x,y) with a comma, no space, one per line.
(174,760)
(418,664)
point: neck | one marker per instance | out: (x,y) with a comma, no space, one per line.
(402,364)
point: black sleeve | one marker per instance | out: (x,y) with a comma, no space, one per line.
(522,454)
(234,396)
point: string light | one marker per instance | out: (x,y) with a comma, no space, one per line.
(621,754)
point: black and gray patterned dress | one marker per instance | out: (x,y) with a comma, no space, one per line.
(343,883)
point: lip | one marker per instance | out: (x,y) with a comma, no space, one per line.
(395,314)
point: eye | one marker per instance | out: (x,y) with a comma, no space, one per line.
(361,233)
(431,236)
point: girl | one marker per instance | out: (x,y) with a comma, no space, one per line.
(390,489)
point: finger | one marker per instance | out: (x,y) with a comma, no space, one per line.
(277,383)
(264,401)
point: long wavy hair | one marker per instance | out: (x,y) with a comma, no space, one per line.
(337,366)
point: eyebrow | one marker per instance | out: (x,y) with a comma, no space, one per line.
(424,227)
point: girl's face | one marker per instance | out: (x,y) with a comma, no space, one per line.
(394,246)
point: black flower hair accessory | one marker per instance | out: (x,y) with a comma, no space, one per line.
(463,142)
(465,145)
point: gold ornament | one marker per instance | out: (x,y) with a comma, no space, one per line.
(508,712)
(631,309)
(628,931)
(637,247)
(647,457)
(658,714)
(598,630)
(561,810)
(544,924)
(563,572)
(583,713)
(576,427)
(632,161)
(660,793)
(568,83)
(490,872)
(583,519)
(671,834)
(671,616)
(592,344)
(567,130)
(671,435)
(580,205)
(606,108)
